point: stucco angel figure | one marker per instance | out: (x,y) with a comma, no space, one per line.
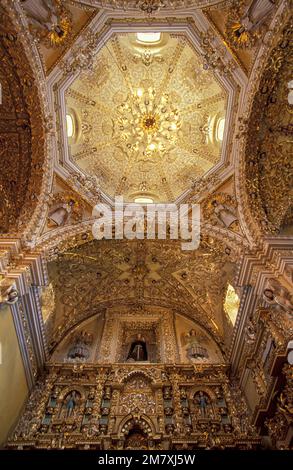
(279,297)
(194,350)
(225,215)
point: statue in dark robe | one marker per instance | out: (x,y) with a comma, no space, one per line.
(138,350)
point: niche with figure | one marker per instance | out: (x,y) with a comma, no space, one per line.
(70,405)
(138,346)
(81,344)
(194,345)
(202,405)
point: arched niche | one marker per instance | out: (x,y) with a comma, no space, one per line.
(92,338)
(194,344)
(81,344)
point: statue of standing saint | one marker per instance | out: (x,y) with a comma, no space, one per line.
(202,402)
(71,403)
(138,350)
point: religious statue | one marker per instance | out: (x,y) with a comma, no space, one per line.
(224,214)
(71,403)
(194,350)
(202,402)
(80,349)
(278,296)
(138,349)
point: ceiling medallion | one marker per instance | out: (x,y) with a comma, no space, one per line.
(150,6)
(148,123)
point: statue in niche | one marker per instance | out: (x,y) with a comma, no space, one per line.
(138,350)
(194,349)
(202,402)
(224,214)
(278,296)
(70,403)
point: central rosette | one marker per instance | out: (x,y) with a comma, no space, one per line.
(148,124)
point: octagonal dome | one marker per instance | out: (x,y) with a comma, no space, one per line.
(147,119)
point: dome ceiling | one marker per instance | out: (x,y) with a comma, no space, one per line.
(147,119)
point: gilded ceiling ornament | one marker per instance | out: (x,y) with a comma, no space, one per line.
(148,123)
(268,164)
(151,6)
(86,185)
(137,274)
(20,148)
(214,58)
(82,57)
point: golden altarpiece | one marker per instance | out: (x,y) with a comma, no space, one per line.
(138,344)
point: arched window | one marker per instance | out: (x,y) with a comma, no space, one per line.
(143,200)
(220,129)
(231,304)
(69,125)
(148,38)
